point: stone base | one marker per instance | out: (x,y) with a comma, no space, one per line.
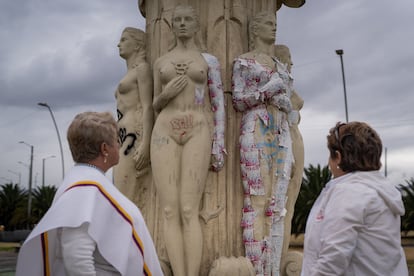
(231,266)
(292,264)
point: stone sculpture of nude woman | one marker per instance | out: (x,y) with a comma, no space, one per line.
(184,145)
(135,117)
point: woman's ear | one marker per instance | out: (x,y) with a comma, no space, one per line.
(338,156)
(104,148)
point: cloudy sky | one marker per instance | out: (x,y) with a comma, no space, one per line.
(64,53)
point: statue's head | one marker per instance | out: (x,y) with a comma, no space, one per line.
(185,22)
(132,40)
(262,26)
(186,25)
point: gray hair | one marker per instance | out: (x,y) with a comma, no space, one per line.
(87,132)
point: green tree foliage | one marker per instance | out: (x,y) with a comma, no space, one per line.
(13,206)
(407,192)
(314,180)
(42,199)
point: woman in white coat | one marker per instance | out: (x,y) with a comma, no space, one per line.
(354,225)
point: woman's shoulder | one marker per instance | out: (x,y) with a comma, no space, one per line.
(355,189)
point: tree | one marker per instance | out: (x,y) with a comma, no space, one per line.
(42,199)
(312,184)
(13,206)
(407,191)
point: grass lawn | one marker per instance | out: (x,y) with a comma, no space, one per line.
(9,246)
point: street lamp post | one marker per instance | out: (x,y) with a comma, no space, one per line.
(23,164)
(18,174)
(58,135)
(340,52)
(43,168)
(29,207)
(385,162)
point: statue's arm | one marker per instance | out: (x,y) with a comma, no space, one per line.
(215,87)
(144,81)
(277,89)
(276,85)
(245,96)
(162,96)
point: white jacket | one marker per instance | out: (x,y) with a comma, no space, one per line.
(354,228)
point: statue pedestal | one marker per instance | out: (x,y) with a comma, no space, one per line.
(292,263)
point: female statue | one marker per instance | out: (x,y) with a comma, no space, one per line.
(261,93)
(135,116)
(282,52)
(187,95)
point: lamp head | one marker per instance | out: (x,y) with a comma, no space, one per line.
(50,156)
(339,52)
(43,104)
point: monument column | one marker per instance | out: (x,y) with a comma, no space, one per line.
(224,31)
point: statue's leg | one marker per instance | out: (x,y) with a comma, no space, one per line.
(165,160)
(195,163)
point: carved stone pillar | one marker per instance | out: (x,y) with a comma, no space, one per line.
(224,32)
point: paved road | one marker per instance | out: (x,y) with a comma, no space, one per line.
(7,262)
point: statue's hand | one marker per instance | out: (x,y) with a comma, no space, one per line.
(274,86)
(282,102)
(217,161)
(172,89)
(141,157)
(175,86)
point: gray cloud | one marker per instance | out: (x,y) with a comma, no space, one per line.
(64,53)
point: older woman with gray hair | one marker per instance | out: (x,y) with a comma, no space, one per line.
(91,228)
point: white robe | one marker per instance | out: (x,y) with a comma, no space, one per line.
(114,223)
